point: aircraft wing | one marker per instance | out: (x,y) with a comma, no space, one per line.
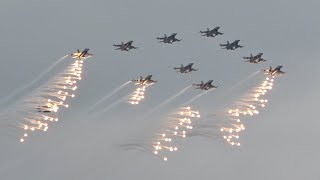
(251,61)
(204,32)
(175,39)
(207,87)
(220,33)
(137,80)
(160,38)
(133,47)
(262,60)
(118,45)
(227,47)
(122,48)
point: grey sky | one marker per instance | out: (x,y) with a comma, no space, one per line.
(280,143)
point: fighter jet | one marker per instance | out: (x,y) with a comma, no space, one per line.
(231,46)
(205,86)
(144,81)
(254,59)
(81,55)
(125,46)
(48,108)
(168,39)
(275,71)
(44,111)
(185,69)
(211,33)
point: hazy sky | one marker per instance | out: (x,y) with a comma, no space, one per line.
(280,143)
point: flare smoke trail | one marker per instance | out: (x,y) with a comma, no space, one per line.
(240,82)
(108,96)
(110,106)
(230,125)
(115,103)
(39,109)
(178,127)
(168,100)
(19,90)
(196,97)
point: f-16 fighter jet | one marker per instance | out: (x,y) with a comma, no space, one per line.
(211,33)
(81,55)
(44,110)
(185,69)
(275,71)
(48,108)
(231,46)
(205,86)
(125,46)
(254,59)
(168,39)
(144,81)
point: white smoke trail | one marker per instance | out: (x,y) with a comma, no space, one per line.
(196,97)
(19,90)
(110,106)
(240,82)
(37,110)
(168,100)
(108,96)
(115,103)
